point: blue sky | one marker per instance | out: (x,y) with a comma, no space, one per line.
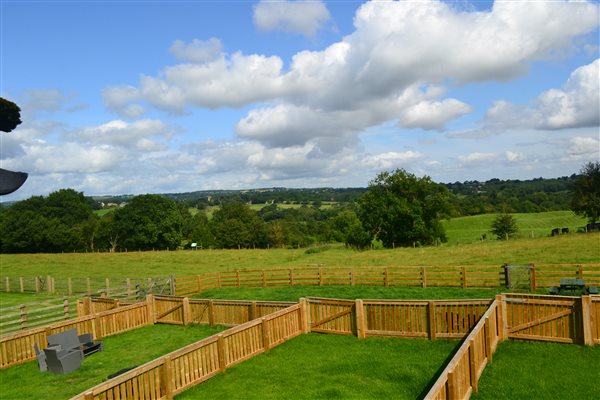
(156,96)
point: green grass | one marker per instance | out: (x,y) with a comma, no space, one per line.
(332,367)
(575,248)
(469,229)
(293,293)
(121,351)
(14,299)
(538,370)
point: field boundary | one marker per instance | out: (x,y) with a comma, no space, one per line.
(467,276)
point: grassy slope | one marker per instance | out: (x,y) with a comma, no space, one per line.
(573,248)
(332,367)
(121,351)
(469,229)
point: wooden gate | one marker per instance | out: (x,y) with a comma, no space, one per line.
(548,318)
(332,315)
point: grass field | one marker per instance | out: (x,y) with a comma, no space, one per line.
(120,351)
(573,248)
(538,370)
(470,229)
(318,366)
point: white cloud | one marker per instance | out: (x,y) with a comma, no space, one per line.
(433,114)
(123,134)
(346,88)
(391,160)
(474,158)
(575,105)
(304,17)
(198,51)
(514,156)
(583,148)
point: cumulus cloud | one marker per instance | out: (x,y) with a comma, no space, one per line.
(120,98)
(391,160)
(130,135)
(576,104)
(198,51)
(395,47)
(474,158)
(304,17)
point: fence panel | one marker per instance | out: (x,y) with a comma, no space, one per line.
(394,318)
(332,315)
(455,319)
(168,310)
(31,315)
(546,318)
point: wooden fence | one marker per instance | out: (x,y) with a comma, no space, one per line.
(130,288)
(30,315)
(460,377)
(17,348)
(423,276)
(177,371)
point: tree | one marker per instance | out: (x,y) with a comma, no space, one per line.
(10,115)
(586,192)
(236,225)
(400,209)
(149,222)
(504,226)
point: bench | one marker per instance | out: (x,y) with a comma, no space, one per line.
(574,286)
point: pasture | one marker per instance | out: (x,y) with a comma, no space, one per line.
(469,229)
(572,248)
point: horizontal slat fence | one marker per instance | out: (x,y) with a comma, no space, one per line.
(17,348)
(177,371)
(130,288)
(460,377)
(31,315)
(426,276)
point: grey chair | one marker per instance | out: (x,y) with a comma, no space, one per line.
(41,358)
(62,361)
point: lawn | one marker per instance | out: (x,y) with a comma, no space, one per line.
(120,351)
(539,370)
(318,366)
(293,293)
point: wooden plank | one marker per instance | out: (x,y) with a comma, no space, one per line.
(540,321)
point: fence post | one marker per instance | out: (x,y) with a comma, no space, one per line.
(97,328)
(173,286)
(304,316)
(386,277)
(70,286)
(187,315)
(151,313)
(211,312)
(218,279)
(452,386)
(500,317)
(237,277)
(431,320)
(49,284)
(128,283)
(89,396)
(580,271)
(266,334)
(7,284)
(585,305)
(291,273)
(532,284)
(66,307)
(21,284)
(264,279)
(423,277)
(221,352)
(361,325)
(253,311)
(488,340)
(198,283)
(473,365)
(320,276)
(37,284)
(167,378)
(23,316)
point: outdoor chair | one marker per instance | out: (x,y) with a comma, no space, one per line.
(41,358)
(62,361)
(69,340)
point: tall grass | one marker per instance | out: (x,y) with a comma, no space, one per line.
(573,248)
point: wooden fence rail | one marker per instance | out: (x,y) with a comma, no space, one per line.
(460,377)
(177,371)
(70,286)
(423,276)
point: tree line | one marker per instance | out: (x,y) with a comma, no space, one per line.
(397,209)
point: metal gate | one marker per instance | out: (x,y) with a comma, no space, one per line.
(332,315)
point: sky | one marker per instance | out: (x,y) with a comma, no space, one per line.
(133,97)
